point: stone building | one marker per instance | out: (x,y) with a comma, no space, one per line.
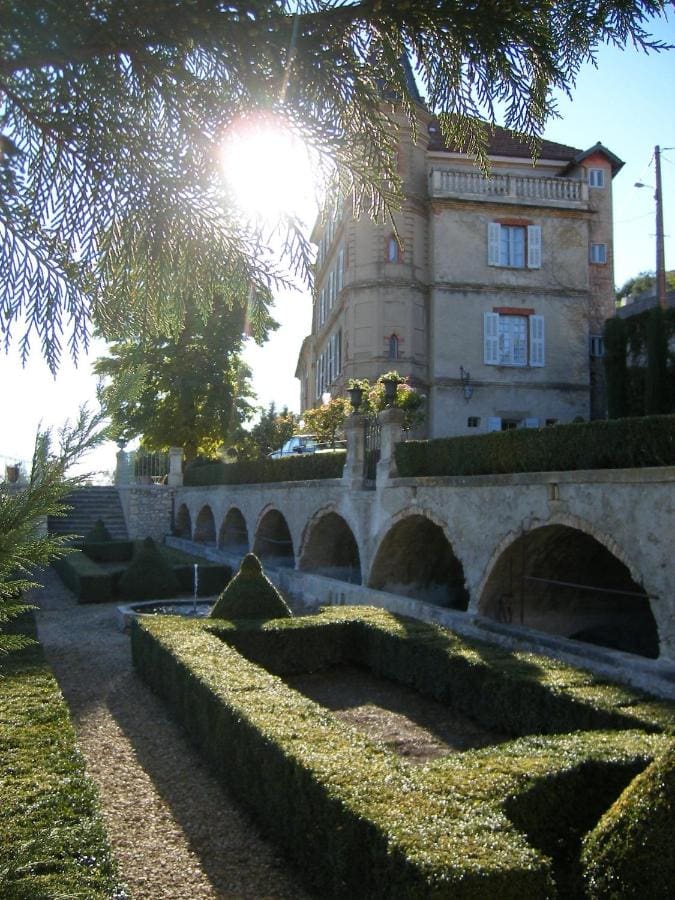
(490,292)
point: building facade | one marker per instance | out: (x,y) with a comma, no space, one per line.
(488,292)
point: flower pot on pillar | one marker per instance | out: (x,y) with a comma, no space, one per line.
(391,421)
(355,397)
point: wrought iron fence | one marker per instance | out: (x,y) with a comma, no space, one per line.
(139,467)
(373,438)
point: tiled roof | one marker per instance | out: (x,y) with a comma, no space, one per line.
(502,142)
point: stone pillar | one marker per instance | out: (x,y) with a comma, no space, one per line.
(352,474)
(175,478)
(121,468)
(391,421)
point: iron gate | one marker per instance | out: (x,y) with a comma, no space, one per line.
(371,457)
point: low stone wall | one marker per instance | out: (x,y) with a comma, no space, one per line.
(147,510)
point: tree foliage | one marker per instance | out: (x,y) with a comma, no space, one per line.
(641,283)
(326,422)
(112,113)
(25,547)
(188,389)
(270,432)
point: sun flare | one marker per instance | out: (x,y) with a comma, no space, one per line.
(268,168)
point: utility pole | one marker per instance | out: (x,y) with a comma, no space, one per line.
(660,250)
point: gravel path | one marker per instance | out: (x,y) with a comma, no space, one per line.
(174,830)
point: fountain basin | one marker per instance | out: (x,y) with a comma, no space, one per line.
(188,608)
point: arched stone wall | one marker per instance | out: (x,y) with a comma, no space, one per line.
(233,534)
(183,522)
(205,527)
(329,548)
(415,558)
(562,579)
(273,543)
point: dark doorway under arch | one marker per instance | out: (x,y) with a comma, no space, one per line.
(183,525)
(233,533)
(563,581)
(415,559)
(331,550)
(273,543)
(205,527)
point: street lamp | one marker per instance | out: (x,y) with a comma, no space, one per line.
(660,249)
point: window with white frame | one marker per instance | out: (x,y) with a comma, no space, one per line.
(514,246)
(599,253)
(596,178)
(512,340)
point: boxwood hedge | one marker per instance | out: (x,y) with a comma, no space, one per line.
(617,443)
(305,467)
(363,821)
(52,841)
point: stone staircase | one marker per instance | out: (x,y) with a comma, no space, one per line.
(89,504)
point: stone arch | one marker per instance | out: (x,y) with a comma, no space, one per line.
(183,522)
(233,534)
(415,558)
(564,577)
(273,543)
(205,527)
(329,548)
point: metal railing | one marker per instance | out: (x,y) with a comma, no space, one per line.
(139,467)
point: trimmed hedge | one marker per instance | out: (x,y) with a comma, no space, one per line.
(149,575)
(52,841)
(92,584)
(84,577)
(250,595)
(631,852)
(360,820)
(613,444)
(109,551)
(305,467)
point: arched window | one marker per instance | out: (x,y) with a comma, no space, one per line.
(393,249)
(393,346)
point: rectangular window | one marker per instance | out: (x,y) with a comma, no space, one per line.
(599,253)
(514,246)
(513,340)
(597,345)
(473,422)
(340,274)
(510,340)
(596,178)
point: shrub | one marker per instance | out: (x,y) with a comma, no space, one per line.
(250,595)
(52,841)
(109,551)
(86,580)
(309,467)
(98,534)
(149,575)
(213,577)
(617,443)
(362,821)
(631,852)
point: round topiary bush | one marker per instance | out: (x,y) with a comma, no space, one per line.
(250,595)
(631,851)
(98,534)
(149,575)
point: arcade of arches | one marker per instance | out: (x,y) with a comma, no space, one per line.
(554,578)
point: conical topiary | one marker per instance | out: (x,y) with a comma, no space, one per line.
(98,534)
(149,575)
(250,595)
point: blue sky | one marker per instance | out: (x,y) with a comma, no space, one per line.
(626,104)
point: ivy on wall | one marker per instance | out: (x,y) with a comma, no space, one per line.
(640,363)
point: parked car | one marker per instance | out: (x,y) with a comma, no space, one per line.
(299,443)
